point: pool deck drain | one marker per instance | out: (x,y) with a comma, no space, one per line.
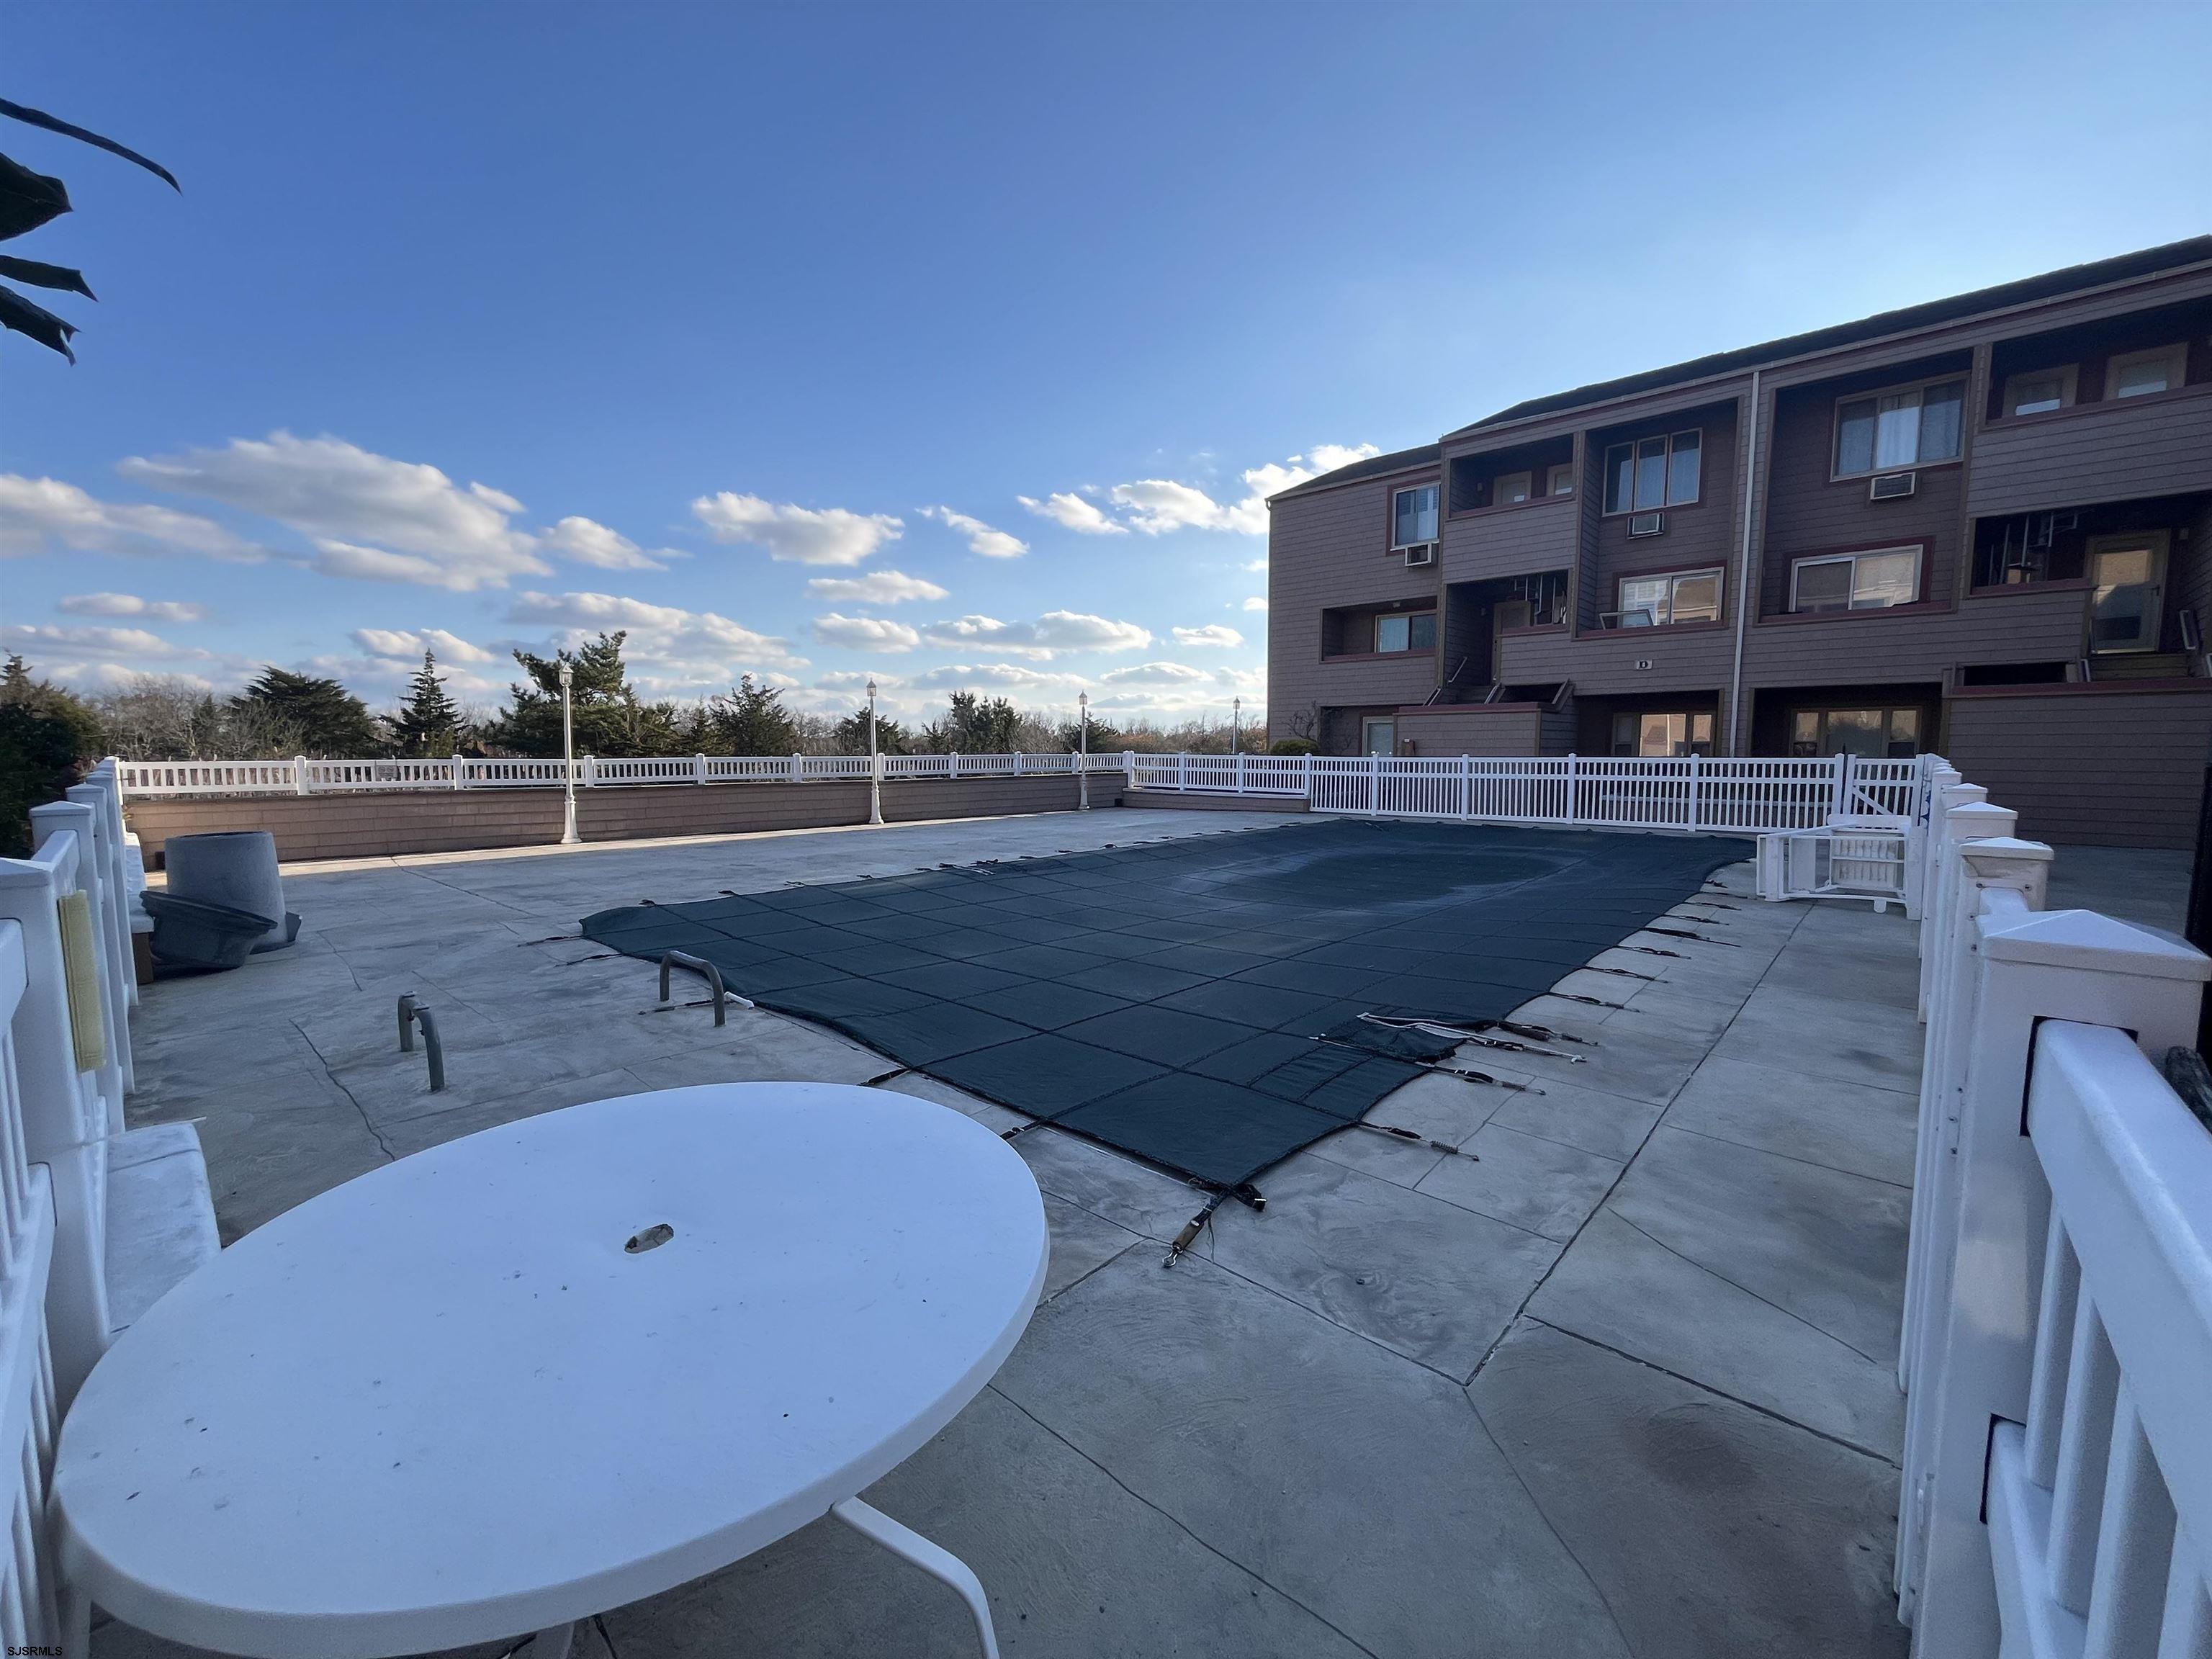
(1620,1383)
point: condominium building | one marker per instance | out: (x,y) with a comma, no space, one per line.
(1977,526)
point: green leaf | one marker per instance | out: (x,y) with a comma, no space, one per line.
(38,117)
(35,321)
(27,200)
(42,275)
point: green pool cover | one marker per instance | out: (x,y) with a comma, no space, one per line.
(1194,1001)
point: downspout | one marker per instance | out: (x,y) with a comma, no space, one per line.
(1743,573)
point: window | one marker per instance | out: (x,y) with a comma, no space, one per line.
(1560,481)
(1653,472)
(1873,580)
(2139,374)
(1869,733)
(2037,391)
(1662,734)
(1677,597)
(1510,489)
(1407,631)
(1912,427)
(1378,737)
(1412,517)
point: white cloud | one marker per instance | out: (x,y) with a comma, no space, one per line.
(1258,567)
(39,513)
(865,633)
(370,516)
(1255,603)
(1073,513)
(998,677)
(797,535)
(413,642)
(876,587)
(856,679)
(1212,635)
(97,676)
(130,605)
(1158,673)
(672,651)
(1159,505)
(982,538)
(1051,634)
(45,638)
(586,541)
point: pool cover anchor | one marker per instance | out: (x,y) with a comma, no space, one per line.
(1460,1033)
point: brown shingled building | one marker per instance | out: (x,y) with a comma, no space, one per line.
(1976,527)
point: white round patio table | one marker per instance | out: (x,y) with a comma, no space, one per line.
(548,1368)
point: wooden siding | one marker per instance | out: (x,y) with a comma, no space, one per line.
(1542,656)
(2107,766)
(1808,512)
(2113,452)
(370,824)
(1511,541)
(1701,533)
(2029,624)
(1327,552)
(1501,728)
(1403,676)
(1697,658)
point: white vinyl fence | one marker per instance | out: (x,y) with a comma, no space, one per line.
(2057,1344)
(302,776)
(64,1068)
(1689,792)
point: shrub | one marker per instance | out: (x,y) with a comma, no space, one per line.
(1294,746)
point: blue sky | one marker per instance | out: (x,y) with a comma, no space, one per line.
(481,325)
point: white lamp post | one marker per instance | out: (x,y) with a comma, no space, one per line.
(1236,725)
(1082,752)
(875,763)
(569,835)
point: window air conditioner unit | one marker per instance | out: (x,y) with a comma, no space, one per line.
(1892,486)
(1417,557)
(1647,524)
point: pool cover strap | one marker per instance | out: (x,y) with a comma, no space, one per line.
(1200,1001)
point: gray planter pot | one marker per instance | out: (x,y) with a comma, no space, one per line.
(237,870)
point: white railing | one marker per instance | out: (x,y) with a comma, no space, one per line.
(302,776)
(1691,791)
(2100,1504)
(2056,1342)
(27,1414)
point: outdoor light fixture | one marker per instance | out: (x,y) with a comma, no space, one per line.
(569,835)
(875,763)
(1236,725)
(1082,752)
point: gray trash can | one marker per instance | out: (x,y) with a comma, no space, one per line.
(236,869)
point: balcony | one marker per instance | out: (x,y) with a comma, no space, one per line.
(1518,540)
(1389,677)
(2126,450)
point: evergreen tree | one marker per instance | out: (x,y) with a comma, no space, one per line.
(47,738)
(429,722)
(609,717)
(851,734)
(973,727)
(751,720)
(330,721)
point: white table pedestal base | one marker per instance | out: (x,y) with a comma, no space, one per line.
(939,1562)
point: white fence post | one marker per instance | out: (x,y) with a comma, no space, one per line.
(299,775)
(1574,804)
(1018,762)
(1240,771)
(952,764)
(1943,838)
(699,768)
(1692,822)
(2072,965)
(796,763)
(1183,770)
(75,818)
(64,1125)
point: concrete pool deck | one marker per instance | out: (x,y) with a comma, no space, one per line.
(1620,1382)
